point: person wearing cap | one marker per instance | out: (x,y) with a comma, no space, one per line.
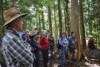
(35,47)
(44,47)
(14,49)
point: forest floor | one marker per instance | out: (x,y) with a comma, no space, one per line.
(56,63)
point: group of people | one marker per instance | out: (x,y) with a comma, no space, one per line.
(43,43)
(21,49)
(67,46)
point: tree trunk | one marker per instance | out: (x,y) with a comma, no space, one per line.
(1,30)
(98,6)
(49,18)
(1,13)
(67,24)
(60,17)
(89,21)
(1,18)
(39,23)
(98,27)
(65,16)
(55,20)
(43,25)
(75,23)
(82,29)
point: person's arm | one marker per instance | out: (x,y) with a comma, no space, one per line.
(94,41)
(34,44)
(73,41)
(61,42)
(17,49)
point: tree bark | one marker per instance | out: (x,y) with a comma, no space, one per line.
(65,15)
(75,23)
(1,30)
(67,24)
(43,20)
(82,29)
(98,27)
(55,20)
(39,27)
(1,18)
(60,17)
(49,18)
(89,21)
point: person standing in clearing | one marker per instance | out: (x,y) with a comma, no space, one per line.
(91,43)
(64,48)
(44,47)
(72,46)
(51,45)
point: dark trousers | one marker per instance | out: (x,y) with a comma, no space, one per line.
(45,57)
(51,52)
(36,61)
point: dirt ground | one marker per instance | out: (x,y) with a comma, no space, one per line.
(56,63)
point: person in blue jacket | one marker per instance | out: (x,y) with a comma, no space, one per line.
(72,46)
(64,47)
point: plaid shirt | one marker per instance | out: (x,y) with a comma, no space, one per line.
(15,50)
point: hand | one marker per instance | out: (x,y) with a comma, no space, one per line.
(64,45)
(75,40)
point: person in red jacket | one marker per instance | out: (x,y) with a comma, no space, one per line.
(44,47)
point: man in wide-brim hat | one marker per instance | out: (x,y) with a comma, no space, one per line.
(15,51)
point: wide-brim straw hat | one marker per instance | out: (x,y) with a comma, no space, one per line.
(11,15)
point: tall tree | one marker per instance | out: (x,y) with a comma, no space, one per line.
(98,23)
(1,18)
(75,22)
(65,16)
(1,30)
(82,28)
(67,24)
(60,17)
(89,17)
(39,23)
(49,18)
(55,20)
(43,20)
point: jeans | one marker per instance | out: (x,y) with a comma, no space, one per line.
(63,56)
(45,57)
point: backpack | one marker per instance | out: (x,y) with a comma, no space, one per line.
(58,45)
